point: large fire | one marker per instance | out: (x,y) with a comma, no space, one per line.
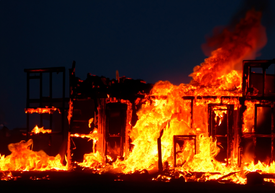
(165,110)
(165,113)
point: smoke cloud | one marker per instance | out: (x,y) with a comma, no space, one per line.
(215,40)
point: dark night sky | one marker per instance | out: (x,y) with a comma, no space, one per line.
(149,40)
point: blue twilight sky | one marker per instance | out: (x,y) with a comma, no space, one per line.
(144,39)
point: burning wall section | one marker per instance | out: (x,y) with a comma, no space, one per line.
(112,105)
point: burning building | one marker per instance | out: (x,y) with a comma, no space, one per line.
(220,126)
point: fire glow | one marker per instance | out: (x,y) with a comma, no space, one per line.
(177,131)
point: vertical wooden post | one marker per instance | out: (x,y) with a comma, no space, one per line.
(159,148)
(175,151)
(69,159)
(159,155)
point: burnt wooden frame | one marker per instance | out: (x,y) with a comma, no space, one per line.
(247,65)
(31,74)
(271,135)
(263,99)
(230,130)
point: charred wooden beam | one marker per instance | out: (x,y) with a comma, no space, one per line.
(160,167)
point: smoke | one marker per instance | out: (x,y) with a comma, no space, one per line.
(215,40)
(259,5)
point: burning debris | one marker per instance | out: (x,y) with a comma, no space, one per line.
(37,130)
(219,127)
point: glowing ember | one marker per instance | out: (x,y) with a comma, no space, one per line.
(6,176)
(91,136)
(42,110)
(70,111)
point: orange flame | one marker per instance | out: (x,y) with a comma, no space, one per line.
(37,130)
(235,46)
(90,122)
(22,158)
(219,113)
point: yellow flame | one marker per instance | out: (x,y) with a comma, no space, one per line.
(22,158)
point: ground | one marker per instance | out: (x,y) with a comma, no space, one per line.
(87,182)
